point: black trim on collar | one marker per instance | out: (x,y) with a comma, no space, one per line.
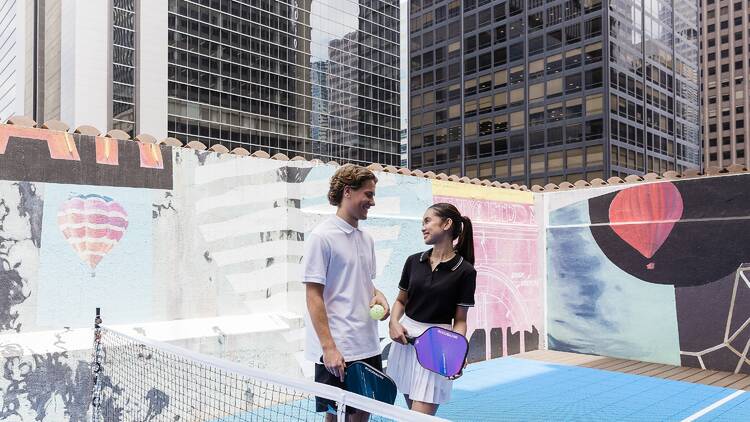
(458,258)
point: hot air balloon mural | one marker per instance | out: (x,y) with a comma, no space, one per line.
(92,225)
(644,216)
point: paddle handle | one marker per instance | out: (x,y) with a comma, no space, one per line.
(410,340)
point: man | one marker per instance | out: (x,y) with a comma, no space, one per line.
(339,266)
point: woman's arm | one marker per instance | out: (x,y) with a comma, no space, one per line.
(397,331)
(459,321)
(459,326)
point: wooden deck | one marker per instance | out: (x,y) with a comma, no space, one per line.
(678,373)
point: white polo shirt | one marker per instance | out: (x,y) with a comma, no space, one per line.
(342,258)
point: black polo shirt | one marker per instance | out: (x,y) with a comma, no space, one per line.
(432,296)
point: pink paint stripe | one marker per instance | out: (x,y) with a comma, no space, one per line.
(88,248)
(92,248)
(91,203)
(84,232)
(92,219)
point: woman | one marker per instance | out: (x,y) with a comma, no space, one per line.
(436,289)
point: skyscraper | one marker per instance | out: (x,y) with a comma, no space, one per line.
(533,92)
(724,82)
(300,77)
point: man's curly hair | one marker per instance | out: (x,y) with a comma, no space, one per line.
(350,175)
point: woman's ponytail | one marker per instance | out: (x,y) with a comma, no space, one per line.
(465,246)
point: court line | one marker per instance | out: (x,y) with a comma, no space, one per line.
(713,406)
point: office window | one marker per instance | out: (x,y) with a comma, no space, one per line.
(574,158)
(554,87)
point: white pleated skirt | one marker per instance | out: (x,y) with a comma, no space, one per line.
(410,377)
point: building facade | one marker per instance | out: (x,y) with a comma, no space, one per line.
(533,91)
(300,77)
(724,69)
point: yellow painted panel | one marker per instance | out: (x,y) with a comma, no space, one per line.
(462,190)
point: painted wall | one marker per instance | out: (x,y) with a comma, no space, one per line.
(653,271)
(204,250)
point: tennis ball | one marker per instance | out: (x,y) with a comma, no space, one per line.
(377,312)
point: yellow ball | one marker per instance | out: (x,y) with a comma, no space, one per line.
(377,312)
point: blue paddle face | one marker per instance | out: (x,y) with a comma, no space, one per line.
(367,381)
(442,351)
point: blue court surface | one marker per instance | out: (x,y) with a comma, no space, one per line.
(515,389)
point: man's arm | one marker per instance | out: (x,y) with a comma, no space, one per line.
(332,358)
(379,298)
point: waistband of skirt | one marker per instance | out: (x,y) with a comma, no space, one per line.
(406,321)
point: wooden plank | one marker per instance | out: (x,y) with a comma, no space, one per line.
(586,359)
(613,362)
(599,363)
(537,354)
(569,359)
(647,368)
(632,368)
(674,371)
(621,365)
(742,384)
(658,370)
(699,376)
(562,358)
(730,380)
(710,380)
(531,354)
(671,372)
(544,355)
(684,374)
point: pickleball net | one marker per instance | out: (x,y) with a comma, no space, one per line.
(137,378)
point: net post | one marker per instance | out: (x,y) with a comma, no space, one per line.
(96,368)
(341,409)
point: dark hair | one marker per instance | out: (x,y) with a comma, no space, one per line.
(350,175)
(462,229)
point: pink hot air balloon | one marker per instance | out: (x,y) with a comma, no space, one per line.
(92,224)
(643,216)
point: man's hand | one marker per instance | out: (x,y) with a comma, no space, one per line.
(379,299)
(334,362)
(397,332)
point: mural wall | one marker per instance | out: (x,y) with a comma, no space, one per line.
(204,250)
(655,272)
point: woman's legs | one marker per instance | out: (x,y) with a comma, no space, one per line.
(422,407)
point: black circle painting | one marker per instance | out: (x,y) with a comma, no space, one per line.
(685,233)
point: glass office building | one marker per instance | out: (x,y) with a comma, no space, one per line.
(725,39)
(123,65)
(534,91)
(313,78)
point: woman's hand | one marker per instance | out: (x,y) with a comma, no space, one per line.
(397,332)
(461,372)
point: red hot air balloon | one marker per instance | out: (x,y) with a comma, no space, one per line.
(93,225)
(643,216)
